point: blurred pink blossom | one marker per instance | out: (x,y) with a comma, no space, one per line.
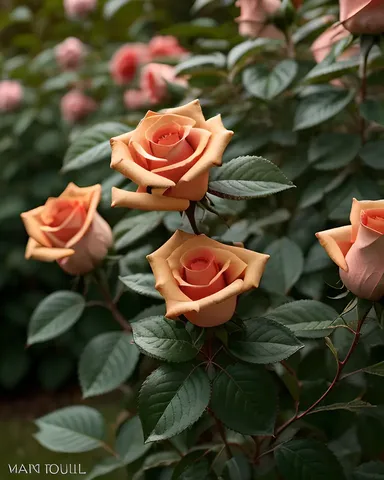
(75,105)
(154,78)
(11,95)
(165,46)
(70,53)
(79,8)
(126,60)
(136,99)
(254,19)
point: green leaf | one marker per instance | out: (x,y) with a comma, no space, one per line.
(164,339)
(71,430)
(376,369)
(243,50)
(171,399)
(131,229)
(352,406)
(56,314)
(319,107)
(264,341)
(105,466)
(61,81)
(306,318)
(310,27)
(330,151)
(307,459)
(373,110)
(193,466)
(92,145)
(156,460)
(248,177)
(371,154)
(319,187)
(284,267)
(369,471)
(130,441)
(324,72)
(317,259)
(106,362)
(141,283)
(201,64)
(244,398)
(265,84)
(112,7)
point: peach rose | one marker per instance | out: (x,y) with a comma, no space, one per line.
(79,8)
(322,46)
(68,229)
(135,99)
(154,78)
(168,156)
(362,16)
(75,106)
(11,95)
(126,61)
(254,20)
(165,46)
(358,249)
(70,53)
(201,278)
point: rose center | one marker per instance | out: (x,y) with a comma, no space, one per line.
(199,264)
(168,138)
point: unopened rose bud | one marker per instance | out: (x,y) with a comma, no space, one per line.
(75,106)
(70,53)
(11,95)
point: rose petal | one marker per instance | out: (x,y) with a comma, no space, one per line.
(373,219)
(337,242)
(33,223)
(357,207)
(45,254)
(146,201)
(191,110)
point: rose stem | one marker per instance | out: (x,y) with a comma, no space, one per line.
(190,212)
(366,43)
(221,431)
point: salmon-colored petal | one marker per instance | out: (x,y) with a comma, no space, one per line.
(213,315)
(196,292)
(191,110)
(193,190)
(199,265)
(357,207)
(45,254)
(177,239)
(373,219)
(337,242)
(33,224)
(146,201)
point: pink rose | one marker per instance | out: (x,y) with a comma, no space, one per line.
(75,106)
(79,8)
(154,78)
(126,60)
(70,53)
(254,20)
(362,16)
(322,46)
(68,229)
(11,95)
(358,249)
(136,99)
(165,46)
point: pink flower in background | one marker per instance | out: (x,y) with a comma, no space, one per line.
(322,46)
(165,46)
(126,60)
(254,18)
(154,78)
(362,16)
(136,99)
(11,95)
(79,8)
(70,53)
(75,106)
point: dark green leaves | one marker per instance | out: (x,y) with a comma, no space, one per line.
(369,471)
(71,430)
(202,64)
(244,398)
(141,283)
(243,50)
(248,177)
(131,229)
(372,154)
(266,85)
(329,151)
(107,361)
(164,339)
(307,460)
(171,399)
(263,341)
(373,111)
(319,107)
(56,314)
(376,369)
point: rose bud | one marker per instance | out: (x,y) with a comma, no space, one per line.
(201,278)
(70,53)
(358,249)
(165,46)
(136,99)
(362,16)
(154,78)
(322,46)
(126,61)
(75,106)
(11,95)
(168,156)
(255,18)
(68,229)
(79,8)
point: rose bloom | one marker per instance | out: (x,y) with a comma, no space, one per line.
(154,78)
(201,278)
(322,46)
(126,61)
(79,8)
(168,156)
(75,106)
(362,16)
(254,18)
(11,95)
(136,99)
(165,46)
(70,53)
(358,249)
(68,229)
